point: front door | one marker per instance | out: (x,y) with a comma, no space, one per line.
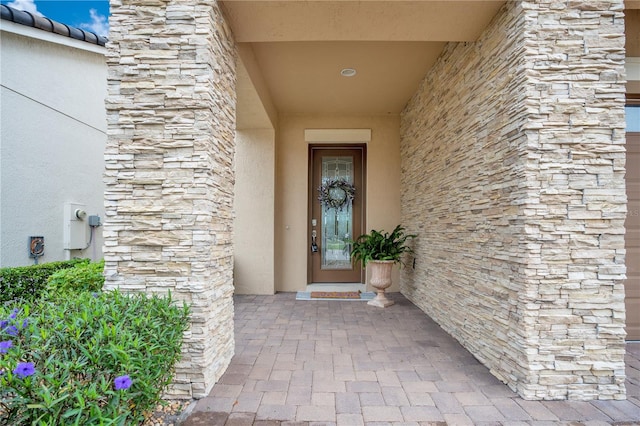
(337,212)
(632,226)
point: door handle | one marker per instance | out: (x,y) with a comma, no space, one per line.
(314,246)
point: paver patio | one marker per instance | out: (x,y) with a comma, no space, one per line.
(347,363)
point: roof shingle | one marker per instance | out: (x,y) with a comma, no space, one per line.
(43,23)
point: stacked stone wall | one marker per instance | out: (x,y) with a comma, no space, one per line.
(169,172)
(513,177)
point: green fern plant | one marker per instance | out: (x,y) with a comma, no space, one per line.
(377,245)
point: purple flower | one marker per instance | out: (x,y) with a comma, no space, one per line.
(24,369)
(3,324)
(4,346)
(25,323)
(12,330)
(122,382)
(14,313)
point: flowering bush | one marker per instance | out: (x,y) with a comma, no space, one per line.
(101,358)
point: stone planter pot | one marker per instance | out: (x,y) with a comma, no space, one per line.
(380,280)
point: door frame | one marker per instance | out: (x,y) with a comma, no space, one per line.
(311,198)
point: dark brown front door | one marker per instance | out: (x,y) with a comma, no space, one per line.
(338,220)
(632,237)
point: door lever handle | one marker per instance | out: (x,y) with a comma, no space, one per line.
(314,246)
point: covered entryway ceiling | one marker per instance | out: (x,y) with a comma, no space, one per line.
(293,51)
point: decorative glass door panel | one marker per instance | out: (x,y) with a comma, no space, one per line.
(337,213)
(336,206)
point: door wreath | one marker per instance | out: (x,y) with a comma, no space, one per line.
(336,194)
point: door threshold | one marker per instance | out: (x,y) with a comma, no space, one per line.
(337,287)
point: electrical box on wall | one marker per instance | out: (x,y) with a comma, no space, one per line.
(36,247)
(94,221)
(75,227)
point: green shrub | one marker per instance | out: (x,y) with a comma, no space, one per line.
(84,277)
(93,359)
(28,282)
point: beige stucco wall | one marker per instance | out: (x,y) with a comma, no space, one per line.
(253,271)
(382,186)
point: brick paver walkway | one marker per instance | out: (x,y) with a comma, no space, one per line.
(346,363)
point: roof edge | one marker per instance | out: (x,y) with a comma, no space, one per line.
(45,24)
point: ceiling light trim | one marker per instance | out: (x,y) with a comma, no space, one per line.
(348,72)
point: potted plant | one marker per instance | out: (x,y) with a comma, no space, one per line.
(381,251)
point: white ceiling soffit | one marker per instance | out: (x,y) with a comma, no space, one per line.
(299,47)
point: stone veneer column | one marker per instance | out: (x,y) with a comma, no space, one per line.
(513,177)
(169,173)
(576,207)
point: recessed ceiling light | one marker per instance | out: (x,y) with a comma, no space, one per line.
(348,72)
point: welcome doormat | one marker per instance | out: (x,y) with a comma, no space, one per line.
(334,295)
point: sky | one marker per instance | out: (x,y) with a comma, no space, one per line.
(90,15)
